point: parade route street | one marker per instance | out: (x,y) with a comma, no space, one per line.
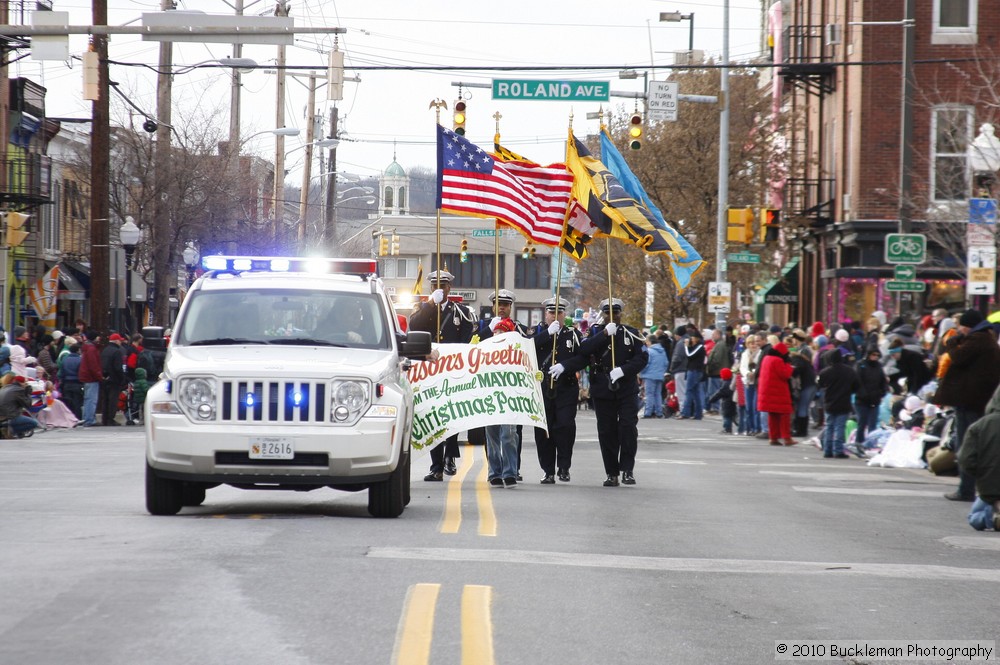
(724,546)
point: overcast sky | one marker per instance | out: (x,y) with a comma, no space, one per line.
(388,106)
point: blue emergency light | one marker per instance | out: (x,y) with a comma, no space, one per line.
(318,266)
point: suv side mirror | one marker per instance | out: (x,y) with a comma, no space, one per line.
(416,345)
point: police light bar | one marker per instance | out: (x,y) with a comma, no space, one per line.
(236,264)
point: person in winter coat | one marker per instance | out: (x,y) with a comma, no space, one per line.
(774,395)
(838,382)
(749,369)
(694,405)
(15,397)
(678,363)
(979,456)
(91,376)
(70,386)
(804,378)
(140,386)
(652,378)
(973,374)
(909,361)
(717,359)
(873,385)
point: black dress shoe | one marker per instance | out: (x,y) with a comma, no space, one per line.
(563,475)
(449,466)
(519,478)
(434,476)
(510,482)
(549,479)
(612,481)
(955,496)
(496,482)
(628,478)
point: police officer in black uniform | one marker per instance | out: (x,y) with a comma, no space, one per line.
(615,390)
(456,326)
(560,391)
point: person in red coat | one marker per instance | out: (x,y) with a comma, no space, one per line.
(774,394)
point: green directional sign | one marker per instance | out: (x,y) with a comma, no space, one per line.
(486,233)
(904,273)
(908,248)
(743,257)
(893,285)
(562,91)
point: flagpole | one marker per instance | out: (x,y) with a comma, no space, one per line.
(611,305)
(496,232)
(555,338)
(437,105)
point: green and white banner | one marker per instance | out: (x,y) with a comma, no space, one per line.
(494,382)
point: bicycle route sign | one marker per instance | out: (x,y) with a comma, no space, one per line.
(907,248)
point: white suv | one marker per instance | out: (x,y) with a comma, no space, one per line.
(283,374)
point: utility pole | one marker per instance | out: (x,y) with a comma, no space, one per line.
(279,141)
(160,250)
(100,174)
(234,95)
(906,122)
(721,223)
(4,131)
(330,212)
(307,171)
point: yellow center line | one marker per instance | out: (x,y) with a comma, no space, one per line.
(487,518)
(453,503)
(477,625)
(416,626)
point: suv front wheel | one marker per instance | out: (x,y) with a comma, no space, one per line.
(163,496)
(389,497)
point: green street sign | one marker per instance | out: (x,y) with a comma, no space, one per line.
(905,286)
(910,248)
(743,257)
(561,91)
(904,273)
(487,233)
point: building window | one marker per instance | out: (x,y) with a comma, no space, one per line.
(388,198)
(952,130)
(402,200)
(399,268)
(531,273)
(954,22)
(476,273)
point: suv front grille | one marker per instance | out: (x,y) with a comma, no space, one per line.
(268,401)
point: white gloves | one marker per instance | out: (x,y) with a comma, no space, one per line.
(617,372)
(554,328)
(494,322)
(556,370)
(611,329)
(438,297)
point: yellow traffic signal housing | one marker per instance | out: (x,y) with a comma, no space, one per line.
(531,252)
(394,246)
(383,246)
(459,118)
(464,255)
(525,252)
(770,224)
(739,225)
(635,131)
(14,221)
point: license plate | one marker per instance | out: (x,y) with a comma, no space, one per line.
(271,447)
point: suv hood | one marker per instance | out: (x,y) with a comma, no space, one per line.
(278,361)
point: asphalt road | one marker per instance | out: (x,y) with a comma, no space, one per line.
(724,546)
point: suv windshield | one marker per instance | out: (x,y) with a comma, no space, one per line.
(288,317)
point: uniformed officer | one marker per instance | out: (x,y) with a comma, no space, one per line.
(560,391)
(502,306)
(615,390)
(456,326)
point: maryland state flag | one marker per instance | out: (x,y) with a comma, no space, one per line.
(418,285)
(613,212)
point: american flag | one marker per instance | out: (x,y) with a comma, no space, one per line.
(529,197)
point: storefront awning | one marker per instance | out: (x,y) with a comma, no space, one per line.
(782,290)
(74,280)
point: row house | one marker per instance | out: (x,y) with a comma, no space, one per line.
(853,175)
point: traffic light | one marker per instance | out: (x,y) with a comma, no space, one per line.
(770,223)
(525,252)
(464,256)
(531,252)
(635,131)
(14,221)
(383,246)
(740,225)
(459,118)
(394,247)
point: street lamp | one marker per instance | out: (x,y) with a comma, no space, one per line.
(129,234)
(190,256)
(677,17)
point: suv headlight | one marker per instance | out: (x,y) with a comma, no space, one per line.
(197,398)
(349,399)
